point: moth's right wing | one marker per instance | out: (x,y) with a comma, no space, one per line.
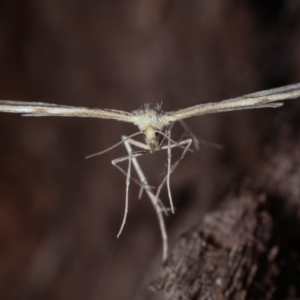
(255,100)
(39,109)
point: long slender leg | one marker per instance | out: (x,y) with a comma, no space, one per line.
(153,199)
(115,163)
(128,178)
(131,157)
(186,142)
(127,195)
(169,170)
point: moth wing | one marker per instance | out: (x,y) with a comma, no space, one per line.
(255,100)
(40,109)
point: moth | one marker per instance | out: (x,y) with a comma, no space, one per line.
(154,124)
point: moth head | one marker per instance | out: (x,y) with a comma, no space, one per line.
(153,138)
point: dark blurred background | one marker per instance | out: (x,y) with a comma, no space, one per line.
(60,213)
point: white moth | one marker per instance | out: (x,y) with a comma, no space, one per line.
(153,122)
(155,125)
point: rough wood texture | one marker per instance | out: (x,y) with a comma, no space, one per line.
(249,247)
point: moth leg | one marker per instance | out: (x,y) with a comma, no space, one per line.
(115,163)
(131,155)
(169,170)
(153,198)
(186,144)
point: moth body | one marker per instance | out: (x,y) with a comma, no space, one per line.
(150,122)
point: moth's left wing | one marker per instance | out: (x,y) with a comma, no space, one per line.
(40,109)
(256,100)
